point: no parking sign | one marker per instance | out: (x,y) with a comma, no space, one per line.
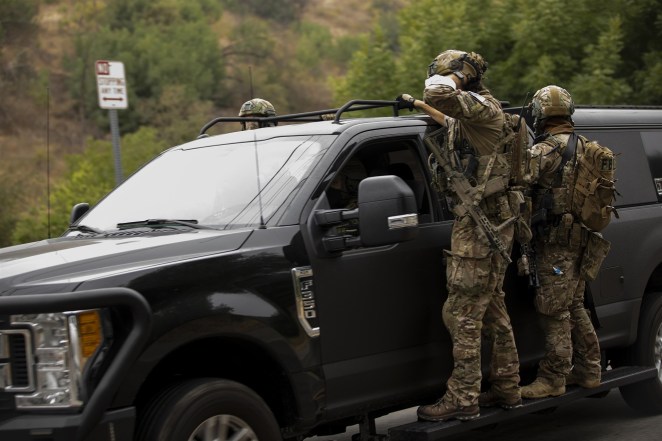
(111,85)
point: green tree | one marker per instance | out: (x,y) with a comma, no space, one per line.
(549,44)
(282,11)
(177,114)
(604,51)
(642,52)
(371,72)
(161,43)
(17,17)
(250,59)
(598,82)
(427,27)
(9,187)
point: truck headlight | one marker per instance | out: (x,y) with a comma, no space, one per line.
(64,346)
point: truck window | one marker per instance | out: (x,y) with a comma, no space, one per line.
(633,179)
(653,147)
(392,157)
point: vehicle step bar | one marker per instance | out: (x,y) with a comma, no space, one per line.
(431,431)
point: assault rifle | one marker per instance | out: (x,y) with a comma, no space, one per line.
(529,266)
(466,193)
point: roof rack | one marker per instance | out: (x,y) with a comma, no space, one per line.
(317,115)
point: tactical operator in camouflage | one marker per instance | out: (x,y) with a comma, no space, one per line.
(559,243)
(475,269)
(256,107)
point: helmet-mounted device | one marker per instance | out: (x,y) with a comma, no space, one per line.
(469,65)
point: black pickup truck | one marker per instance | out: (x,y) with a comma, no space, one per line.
(232,288)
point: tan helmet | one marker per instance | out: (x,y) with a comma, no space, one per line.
(550,101)
(259,108)
(463,64)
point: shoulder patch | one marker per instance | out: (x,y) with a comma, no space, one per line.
(481,99)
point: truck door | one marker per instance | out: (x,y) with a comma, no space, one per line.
(380,327)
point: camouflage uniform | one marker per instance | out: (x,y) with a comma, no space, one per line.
(559,249)
(475,271)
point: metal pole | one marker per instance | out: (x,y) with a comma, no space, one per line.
(115,135)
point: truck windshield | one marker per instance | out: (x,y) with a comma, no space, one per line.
(215,185)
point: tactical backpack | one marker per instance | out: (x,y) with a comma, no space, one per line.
(589,178)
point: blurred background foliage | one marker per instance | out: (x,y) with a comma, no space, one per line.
(188,61)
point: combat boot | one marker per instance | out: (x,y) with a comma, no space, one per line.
(441,411)
(583,380)
(492,399)
(543,387)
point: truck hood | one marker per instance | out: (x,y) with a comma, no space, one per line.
(62,264)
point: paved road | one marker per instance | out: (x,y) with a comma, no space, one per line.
(587,419)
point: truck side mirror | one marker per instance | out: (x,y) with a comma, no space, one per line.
(387,211)
(77,211)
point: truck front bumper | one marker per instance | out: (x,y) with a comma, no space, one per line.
(115,425)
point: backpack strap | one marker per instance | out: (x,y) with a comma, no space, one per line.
(571,150)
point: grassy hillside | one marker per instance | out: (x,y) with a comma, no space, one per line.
(42,121)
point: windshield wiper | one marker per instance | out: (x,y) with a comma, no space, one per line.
(157,223)
(86,229)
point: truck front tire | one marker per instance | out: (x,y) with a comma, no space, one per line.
(646,396)
(207,409)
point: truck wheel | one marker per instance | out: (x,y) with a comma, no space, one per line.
(646,396)
(208,409)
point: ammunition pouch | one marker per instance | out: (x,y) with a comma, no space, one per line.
(495,185)
(559,202)
(595,252)
(493,174)
(568,233)
(523,233)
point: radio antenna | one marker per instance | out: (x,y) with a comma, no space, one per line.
(48,159)
(250,79)
(259,186)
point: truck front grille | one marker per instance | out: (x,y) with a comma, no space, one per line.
(16,361)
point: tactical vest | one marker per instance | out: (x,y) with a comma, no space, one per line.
(490,173)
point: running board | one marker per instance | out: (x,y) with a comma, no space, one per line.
(431,431)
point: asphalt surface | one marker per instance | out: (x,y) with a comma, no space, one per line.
(587,419)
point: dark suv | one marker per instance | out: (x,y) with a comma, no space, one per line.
(286,282)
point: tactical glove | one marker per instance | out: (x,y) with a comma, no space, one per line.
(405,101)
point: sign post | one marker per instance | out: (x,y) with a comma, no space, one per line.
(111,86)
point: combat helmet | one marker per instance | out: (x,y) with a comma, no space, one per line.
(256,107)
(551,101)
(463,64)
